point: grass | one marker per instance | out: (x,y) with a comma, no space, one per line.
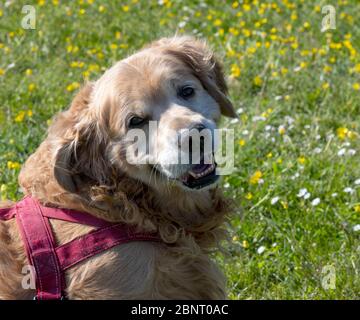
(297,92)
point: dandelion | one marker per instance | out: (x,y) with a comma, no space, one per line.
(315,202)
(357,208)
(284,204)
(125,8)
(31,87)
(101,8)
(342,133)
(249,196)
(245,244)
(255,178)
(28,72)
(282,130)
(258,81)
(242,142)
(235,71)
(325,86)
(73,86)
(20,116)
(301,160)
(356,86)
(13,165)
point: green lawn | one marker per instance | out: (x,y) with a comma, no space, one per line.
(297,91)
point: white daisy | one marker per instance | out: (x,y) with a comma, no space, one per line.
(260,250)
(315,202)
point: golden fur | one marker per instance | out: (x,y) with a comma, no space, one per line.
(69,170)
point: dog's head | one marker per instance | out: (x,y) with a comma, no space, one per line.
(149,117)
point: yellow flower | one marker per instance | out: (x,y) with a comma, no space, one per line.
(55,2)
(325,85)
(342,133)
(41,2)
(235,238)
(282,130)
(1,13)
(356,86)
(125,8)
(303,65)
(28,72)
(306,25)
(284,204)
(113,46)
(101,8)
(118,35)
(293,16)
(327,69)
(258,81)
(217,22)
(242,142)
(255,178)
(73,86)
(284,71)
(249,196)
(357,208)
(246,7)
(29,113)
(20,116)
(235,71)
(77,64)
(13,165)
(269,155)
(301,160)
(82,11)
(2,72)
(31,87)
(245,244)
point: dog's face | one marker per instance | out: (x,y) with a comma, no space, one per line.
(151,116)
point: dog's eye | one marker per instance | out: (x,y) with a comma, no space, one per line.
(136,121)
(186,92)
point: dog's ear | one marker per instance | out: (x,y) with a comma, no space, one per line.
(80,146)
(206,67)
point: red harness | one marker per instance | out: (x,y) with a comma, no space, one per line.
(51,261)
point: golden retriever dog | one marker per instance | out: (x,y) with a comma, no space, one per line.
(82,165)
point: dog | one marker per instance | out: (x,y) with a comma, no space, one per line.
(83,165)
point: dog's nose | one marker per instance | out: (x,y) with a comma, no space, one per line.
(193,141)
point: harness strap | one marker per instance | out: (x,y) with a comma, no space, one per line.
(75,216)
(97,241)
(50,261)
(39,242)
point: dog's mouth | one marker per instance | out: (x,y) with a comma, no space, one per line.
(200,176)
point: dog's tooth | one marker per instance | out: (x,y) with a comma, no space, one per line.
(192,174)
